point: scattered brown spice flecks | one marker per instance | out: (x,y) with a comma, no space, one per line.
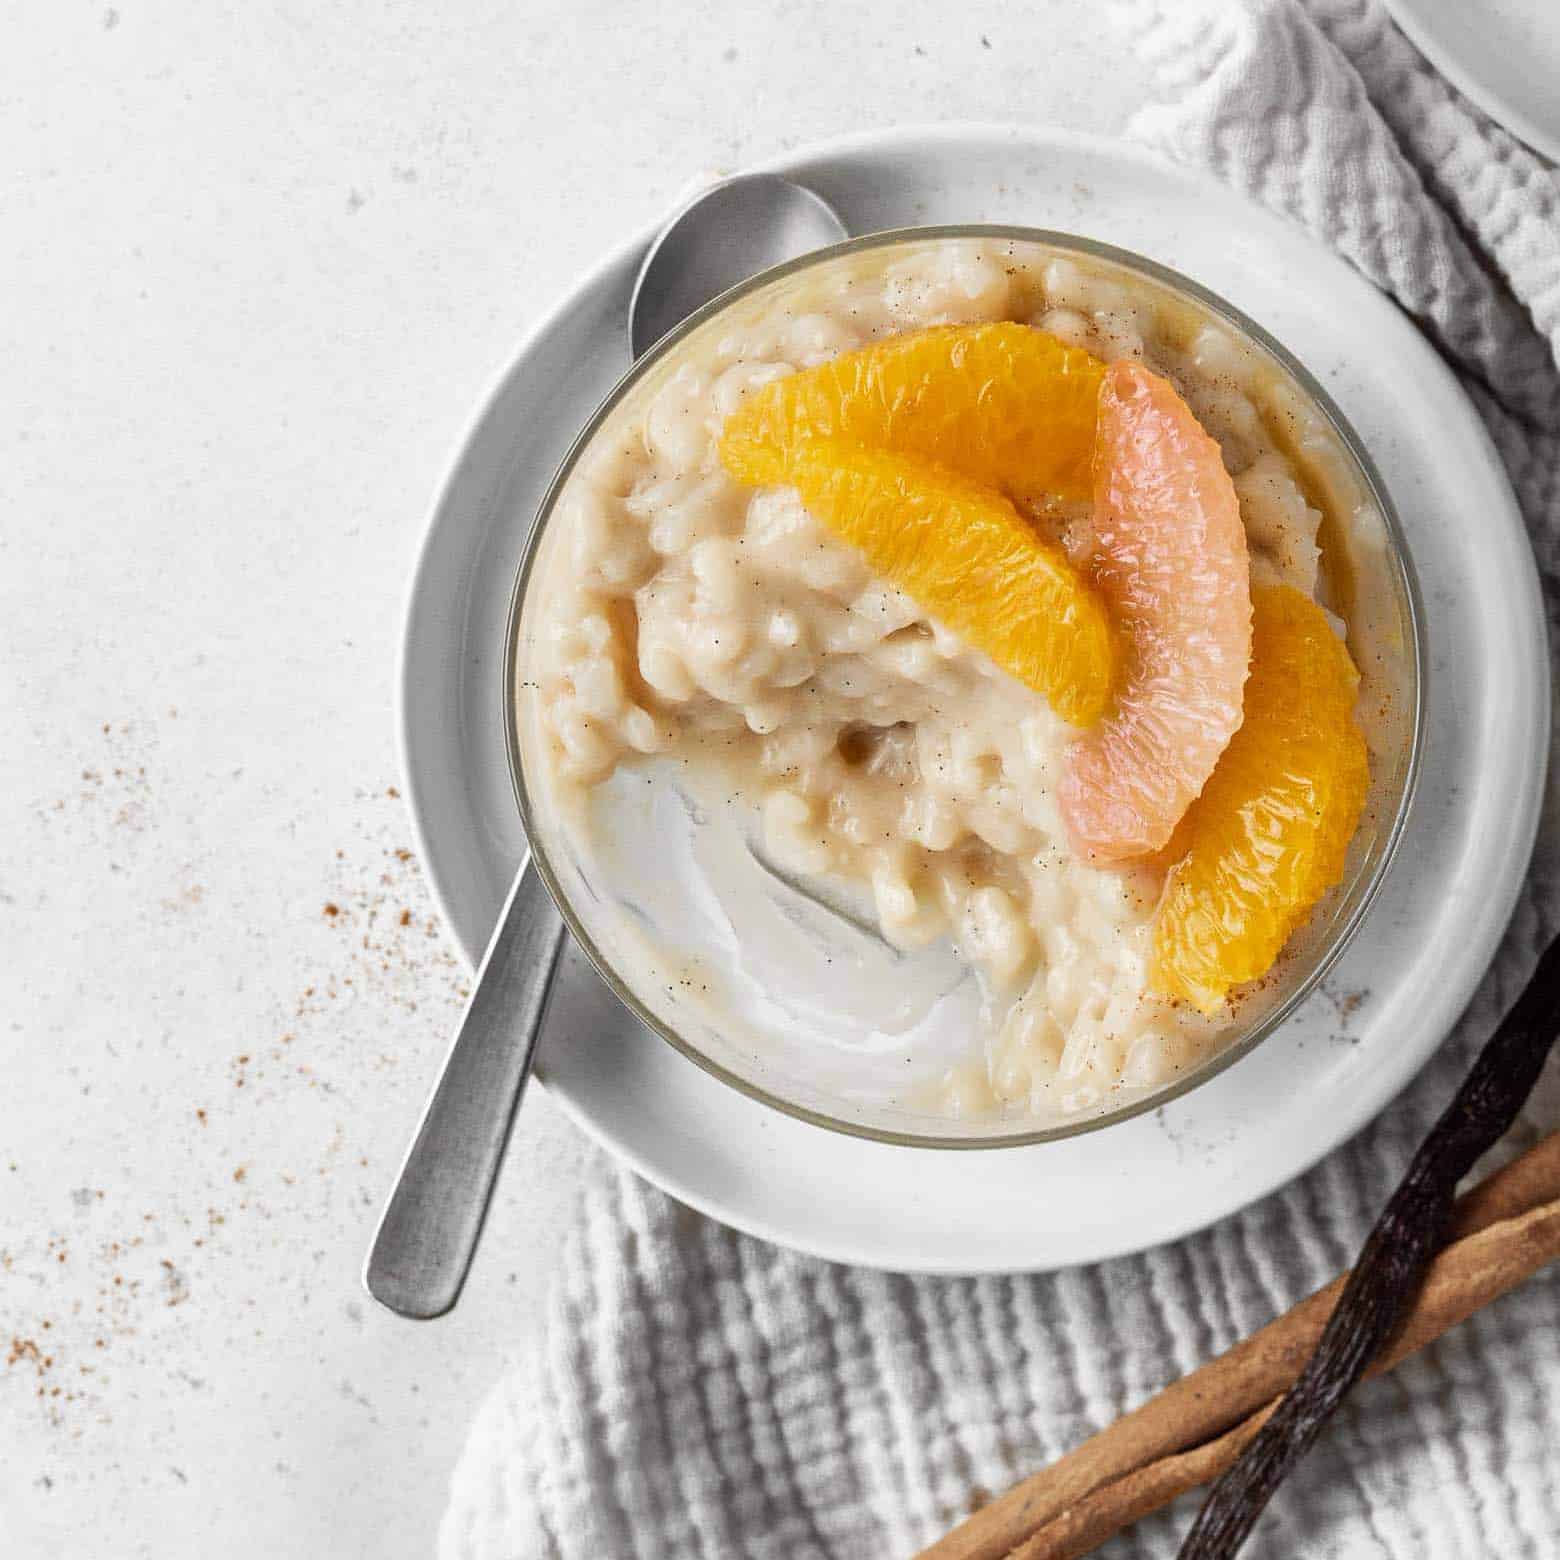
(176,1284)
(25,1349)
(391,946)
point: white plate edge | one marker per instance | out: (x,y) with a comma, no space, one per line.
(1448,1010)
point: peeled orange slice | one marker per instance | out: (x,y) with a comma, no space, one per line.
(1170,559)
(1002,404)
(1270,833)
(966,555)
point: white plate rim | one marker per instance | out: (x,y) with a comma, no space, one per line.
(1487,95)
(1502,895)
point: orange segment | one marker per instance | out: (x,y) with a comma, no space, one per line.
(1170,559)
(1270,833)
(967,556)
(1002,404)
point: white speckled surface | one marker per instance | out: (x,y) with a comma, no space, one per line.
(259,265)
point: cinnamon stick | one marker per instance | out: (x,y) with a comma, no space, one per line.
(1462,1279)
(1505,1229)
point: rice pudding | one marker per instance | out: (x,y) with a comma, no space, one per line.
(725,640)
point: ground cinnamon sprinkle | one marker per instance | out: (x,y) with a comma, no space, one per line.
(25,1349)
(106,1300)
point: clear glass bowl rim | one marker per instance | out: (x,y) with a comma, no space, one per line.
(1364,894)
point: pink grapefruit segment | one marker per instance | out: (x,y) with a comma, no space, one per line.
(1170,561)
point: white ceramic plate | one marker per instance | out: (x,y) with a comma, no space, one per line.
(1392,997)
(1504,54)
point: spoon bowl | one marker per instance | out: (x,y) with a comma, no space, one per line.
(719,239)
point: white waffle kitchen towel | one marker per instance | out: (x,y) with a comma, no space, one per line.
(697,1393)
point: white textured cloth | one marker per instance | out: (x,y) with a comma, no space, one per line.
(697,1393)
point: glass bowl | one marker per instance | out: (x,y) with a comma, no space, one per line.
(757,1045)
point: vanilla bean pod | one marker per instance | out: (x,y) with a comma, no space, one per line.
(1391,1266)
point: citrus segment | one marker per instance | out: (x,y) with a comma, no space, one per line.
(1270,833)
(962,552)
(1170,560)
(1002,404)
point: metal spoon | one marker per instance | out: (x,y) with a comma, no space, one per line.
(433,1220)
(725,234)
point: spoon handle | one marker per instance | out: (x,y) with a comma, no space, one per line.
(429,1230)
